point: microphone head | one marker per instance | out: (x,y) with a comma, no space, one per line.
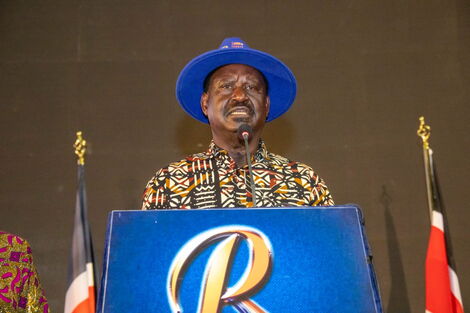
(244,131)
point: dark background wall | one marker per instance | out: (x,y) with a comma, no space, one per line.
(366,71)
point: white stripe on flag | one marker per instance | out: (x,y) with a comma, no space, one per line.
(438,220)
(427,311)
(89,270)
(454,285)
(77,292)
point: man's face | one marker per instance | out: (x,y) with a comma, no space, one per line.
(236,95)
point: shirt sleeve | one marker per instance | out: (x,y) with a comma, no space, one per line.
(155,193)
(320,194)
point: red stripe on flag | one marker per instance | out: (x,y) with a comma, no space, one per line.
(83,307)
(91,299)
(438,293)
(88,305)
(456,305)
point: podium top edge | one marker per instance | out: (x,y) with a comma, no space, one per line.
(344,206)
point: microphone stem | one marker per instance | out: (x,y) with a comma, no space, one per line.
(248,159)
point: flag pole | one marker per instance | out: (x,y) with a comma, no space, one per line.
(442,285)
(81,291)
(424,131)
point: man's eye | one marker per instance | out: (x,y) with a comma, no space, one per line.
(226,86)
(250,87)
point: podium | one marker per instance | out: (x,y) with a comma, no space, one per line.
(287,260)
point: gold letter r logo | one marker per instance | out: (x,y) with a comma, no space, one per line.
(215,293)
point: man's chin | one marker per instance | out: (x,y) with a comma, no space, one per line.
(241,120)
(234,122)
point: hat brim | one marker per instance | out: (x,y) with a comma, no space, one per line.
(282,86)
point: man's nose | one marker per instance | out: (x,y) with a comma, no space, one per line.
(239,93)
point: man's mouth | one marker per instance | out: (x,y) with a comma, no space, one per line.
(240,111)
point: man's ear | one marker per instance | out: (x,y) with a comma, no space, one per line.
(204,99)
(267,105)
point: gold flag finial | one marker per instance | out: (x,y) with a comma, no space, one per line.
(424,131)
(80,148)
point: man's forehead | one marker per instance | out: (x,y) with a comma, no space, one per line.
(237,69)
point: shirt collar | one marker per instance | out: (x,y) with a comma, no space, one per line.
(219,153)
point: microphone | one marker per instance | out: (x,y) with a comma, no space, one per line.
(245,132)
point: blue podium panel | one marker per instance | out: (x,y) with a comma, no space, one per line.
(238,260)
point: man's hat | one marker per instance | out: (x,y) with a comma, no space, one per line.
(281,82)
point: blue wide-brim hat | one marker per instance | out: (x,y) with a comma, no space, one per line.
(282,85)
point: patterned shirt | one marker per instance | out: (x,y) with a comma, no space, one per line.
(212,180)
(20,289)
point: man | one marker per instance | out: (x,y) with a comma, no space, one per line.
(229,87)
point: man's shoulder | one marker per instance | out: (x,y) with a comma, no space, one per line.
(184,163)
(286,162)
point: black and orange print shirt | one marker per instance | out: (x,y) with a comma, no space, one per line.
(212,180)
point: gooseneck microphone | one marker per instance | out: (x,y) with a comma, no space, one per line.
(244,133)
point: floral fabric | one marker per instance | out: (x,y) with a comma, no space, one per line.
(20,289)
